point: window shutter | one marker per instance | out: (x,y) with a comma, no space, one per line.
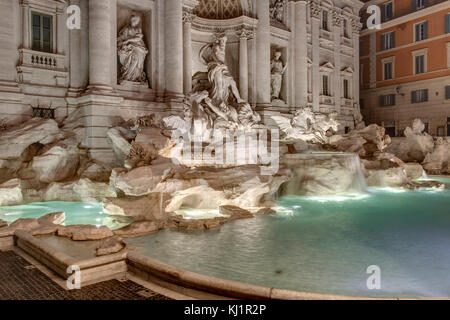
(393,40)
(381,101)
(393,99)
(425,30)
(417,27)
(425,94)
(413,96)
(447,23)
(383,42)
(447,92)
(414,5)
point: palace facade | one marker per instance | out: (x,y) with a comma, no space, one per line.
(131,58)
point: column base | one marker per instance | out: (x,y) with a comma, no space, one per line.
(100,90)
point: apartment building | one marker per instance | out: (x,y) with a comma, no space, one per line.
(405,66)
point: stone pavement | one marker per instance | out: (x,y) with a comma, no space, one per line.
(19,280)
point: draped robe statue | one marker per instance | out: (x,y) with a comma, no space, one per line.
(219,76)
(132,52)
(277,72)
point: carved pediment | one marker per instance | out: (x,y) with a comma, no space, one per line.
(327,67)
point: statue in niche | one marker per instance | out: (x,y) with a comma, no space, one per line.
(132,52)
(277,10)
(223,85)
(277,73)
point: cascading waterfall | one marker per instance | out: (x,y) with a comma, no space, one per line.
(323,173)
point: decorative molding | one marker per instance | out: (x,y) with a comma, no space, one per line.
(245,33)
(188,16)
(315,9)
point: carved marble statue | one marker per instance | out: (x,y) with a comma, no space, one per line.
(307,127)
(277,72)
(132,52)
(221,104)
(277,10)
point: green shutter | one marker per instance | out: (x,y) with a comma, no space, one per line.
(425,30)
(447,23)
(414,7)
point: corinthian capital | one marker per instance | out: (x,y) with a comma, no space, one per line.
(188,16)
(315,9)
(244,33)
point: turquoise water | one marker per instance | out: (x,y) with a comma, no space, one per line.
(76,213)
(326,245)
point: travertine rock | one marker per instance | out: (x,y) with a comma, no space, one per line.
(25,224)
(139,228)
(413,170)
(235,212)
(119,143)
(14,141)
(84,232)
(3,223)
(11,193)
(438,161)
(110,246)
(150,207)
(83,190)
(53,218)
(393,177)
(58,163)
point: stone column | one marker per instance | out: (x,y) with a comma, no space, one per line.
(315,34)
(60,31)
(301,55)
(263,53)
(75,55)
(174,49)
(188,17)
(244,35)
(356,28)
(25,25)
(100,45)
(337,27)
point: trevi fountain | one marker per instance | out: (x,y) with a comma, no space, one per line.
(217,185)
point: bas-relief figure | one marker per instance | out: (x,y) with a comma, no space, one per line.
(132,52)
(277,72)
(277,10)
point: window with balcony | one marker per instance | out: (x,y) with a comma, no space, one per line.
(387,11)
(421,31)
(418,96)
(387,100)
(388,41)
(41,28)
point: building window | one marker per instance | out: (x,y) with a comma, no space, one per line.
(448,127)
(447,92)
(387,11)
(390,131)
(440,131)
(419,4)
(419,62)
(361,103)
(387,100)
(388,70)
(447,23)
(325,85)
(325,20)
(418,96)
(346,89)
(388,41)
(427,127)
(345,26)
(41,32)
(421,31)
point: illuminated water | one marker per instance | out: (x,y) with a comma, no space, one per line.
(76,213)
(326,245)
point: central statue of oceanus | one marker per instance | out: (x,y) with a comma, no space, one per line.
(215,102)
